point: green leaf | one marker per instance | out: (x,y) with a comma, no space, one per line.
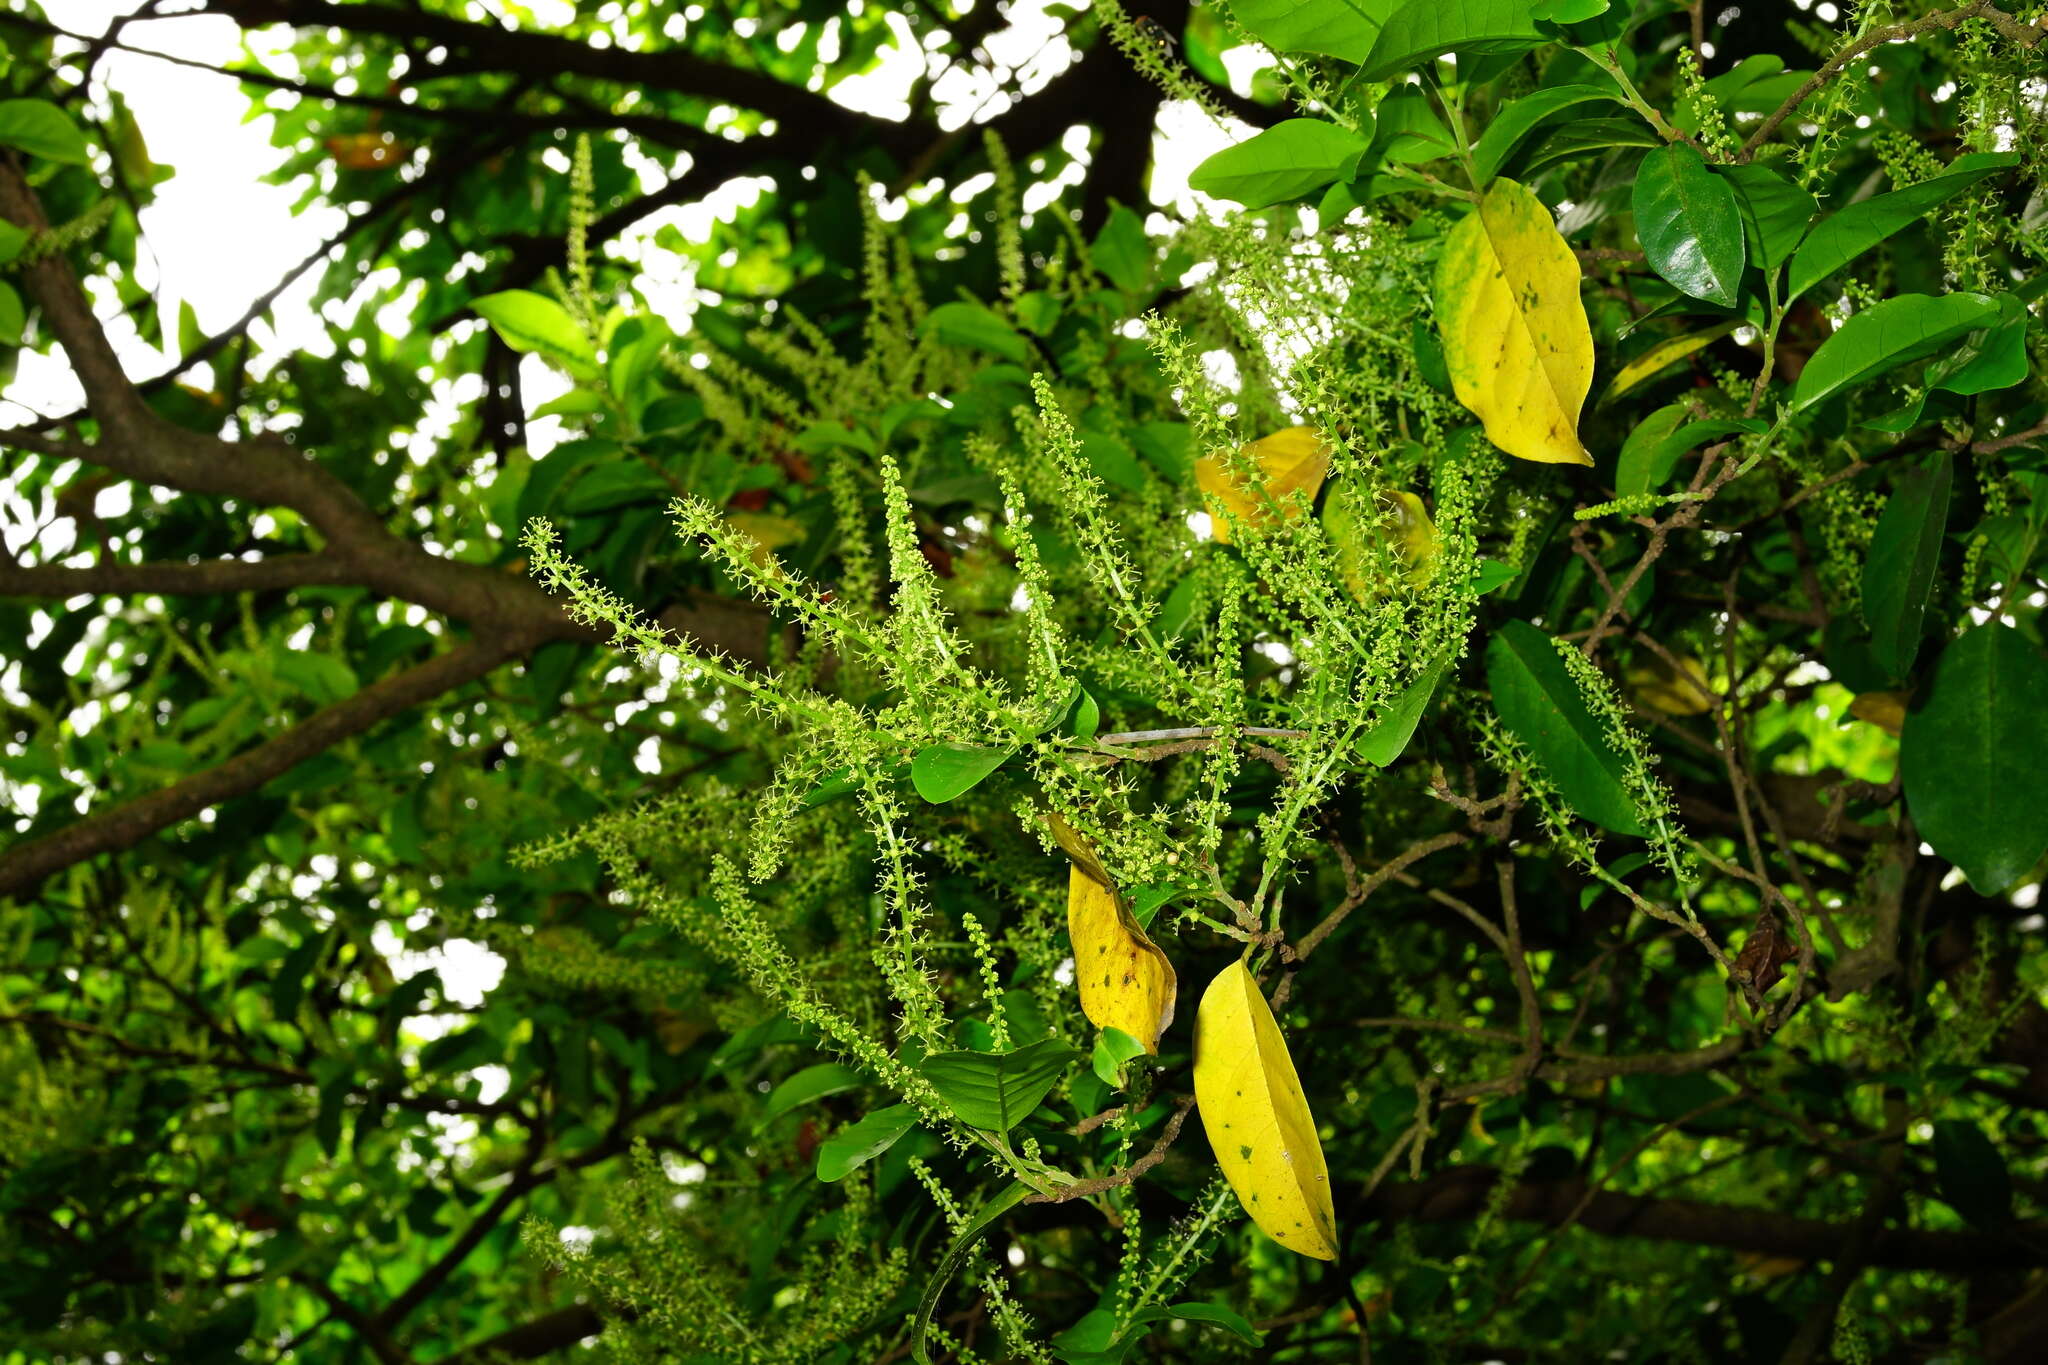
(806,1086)
(1212,1313)
(947,770)
(1122,251)
(43,130)
(1775,212)
(1970,753)
(13,316)
(1581,139)
(1904,551)
(13,239)
(928,1302)
(1841,237)
(1972,1174)
(995,1090)
(859,1143)
(1331,28)
(1408,129)
(1653,449)
(973,326)
(533,323)
(1284,162)
(1567,11)
(1541,706)
(1492,576)
(1389,736)
(1885,336)
(1425,29)
(1112,1049)
(1690,226)
(1513,123)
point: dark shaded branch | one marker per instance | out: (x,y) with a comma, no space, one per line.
(204,578)
(550,1332)
(1462,1192)
(25,865)
(485,47)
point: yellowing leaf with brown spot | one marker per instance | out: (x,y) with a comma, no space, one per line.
(1125,980)
(1885,710)
(1683,691)
(1257,1118)
(1288,462)
(1516,343)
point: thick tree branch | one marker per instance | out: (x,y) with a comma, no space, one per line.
(1462,1192)
(25,866)
(483,47)
(547,1333)
(204,578)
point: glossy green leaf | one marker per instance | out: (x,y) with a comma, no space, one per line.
(973,326)
(1122,251)
(1844,235)
(811,1084)
(535,324)
(13,239)
(1284,162)
(1213,1314)
(1581,139)
(1775,212)
(1690,226)
(1971,1173)
(1654,448)
(1492,148)
(996,1090)
(13,315)
(1894,332)
(1972,751)
(944,771)
(949,1264)
(1333,28)
(1422,30)
(1389,736)
(1541,706)
(1994,358)
(41,129)
(1409,130)
(1904,552)
(1113,1048)
(859,1143)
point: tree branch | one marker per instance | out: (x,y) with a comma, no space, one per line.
(1463,1192)
(204,578)
(24,866)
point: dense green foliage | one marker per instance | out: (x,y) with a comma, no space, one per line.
(1547,575)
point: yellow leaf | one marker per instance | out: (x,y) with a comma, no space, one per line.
(1766,1267)
(1405,523)
(1257,1118)
(1885,710)
(1288,462)
(768,532)
(1514,330)
(1664,353)
(1676,692)
(1125,980)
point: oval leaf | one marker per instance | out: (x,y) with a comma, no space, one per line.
(1331,28)
(811,1084)
(1541,706)
(1904,551)
(1887,335)
(859,1143)
(1690,226)
(1980,738)
(41,129)
(1425,29)
(944,771)
(1514,329)
(1665,353)
(1284,162)
(1841,237)
(1125,981)
(996,1090)
(1775,212)
(1291,464)
(1513,123)
(1257,1118)
(531,322)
